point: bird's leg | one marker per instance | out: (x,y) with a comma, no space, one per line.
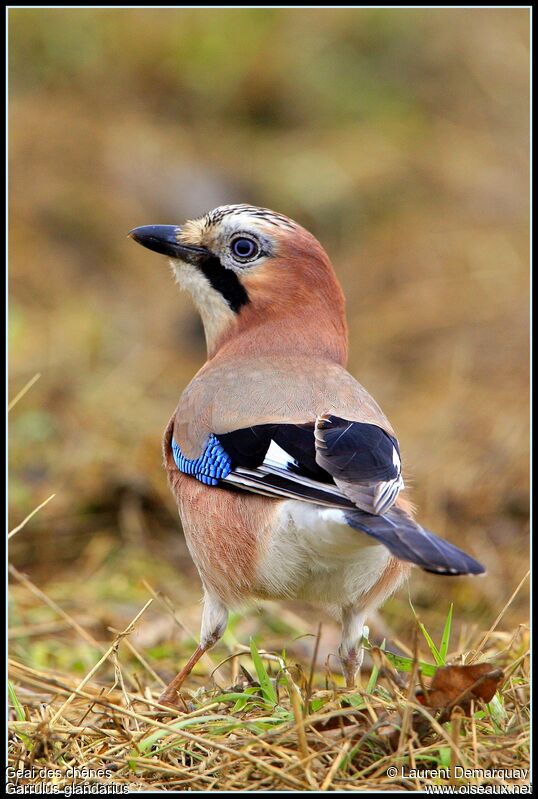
(351,651)
(170,696)
(214,621)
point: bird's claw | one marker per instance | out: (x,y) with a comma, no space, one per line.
(176,702)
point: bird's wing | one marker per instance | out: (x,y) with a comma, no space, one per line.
(301,428)
(351,463)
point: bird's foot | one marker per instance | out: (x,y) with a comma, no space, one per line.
(171,696)
(351,663)
(175,701)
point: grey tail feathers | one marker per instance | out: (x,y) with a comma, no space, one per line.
(406,540)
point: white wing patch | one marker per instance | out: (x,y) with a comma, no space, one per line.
(278,457)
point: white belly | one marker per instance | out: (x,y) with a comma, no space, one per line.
(313,554)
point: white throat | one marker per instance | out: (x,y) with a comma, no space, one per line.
(215,312)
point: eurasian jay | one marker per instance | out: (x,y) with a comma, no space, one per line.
(286,473)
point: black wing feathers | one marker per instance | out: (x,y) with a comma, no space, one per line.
(356,450)
(299,442)
(349,450)
(248,447)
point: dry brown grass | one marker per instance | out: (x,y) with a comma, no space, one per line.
(233,737)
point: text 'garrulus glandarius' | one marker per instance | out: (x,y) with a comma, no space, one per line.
(286,472)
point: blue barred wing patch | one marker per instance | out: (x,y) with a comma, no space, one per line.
(214,463)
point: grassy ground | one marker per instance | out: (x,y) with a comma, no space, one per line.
(400,138)
(85,677)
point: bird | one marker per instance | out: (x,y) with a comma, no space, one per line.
(286,473)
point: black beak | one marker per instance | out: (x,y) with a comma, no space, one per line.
(164,239)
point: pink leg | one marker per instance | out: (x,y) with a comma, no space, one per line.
(214,620)
(170,696)
(350,650)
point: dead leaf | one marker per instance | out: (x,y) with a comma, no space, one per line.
(459,685)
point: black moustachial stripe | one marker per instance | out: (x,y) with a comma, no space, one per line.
(225,281)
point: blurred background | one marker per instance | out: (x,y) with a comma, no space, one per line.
(400,139)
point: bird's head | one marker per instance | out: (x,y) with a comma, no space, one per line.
(257,277)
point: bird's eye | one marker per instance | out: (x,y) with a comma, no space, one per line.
(244,249)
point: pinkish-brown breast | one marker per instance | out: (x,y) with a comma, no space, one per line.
(223,530)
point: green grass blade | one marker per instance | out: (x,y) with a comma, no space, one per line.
(218,725)
(402,663)
(233,696)
(19,713)
(268,689)
(443,649)
(355,700)
(406,664)
(250,696)
(373,680)
(445,757)
(433,649)
(497,711)
(148,743)
(431,646)
(375,672)
(14,699)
